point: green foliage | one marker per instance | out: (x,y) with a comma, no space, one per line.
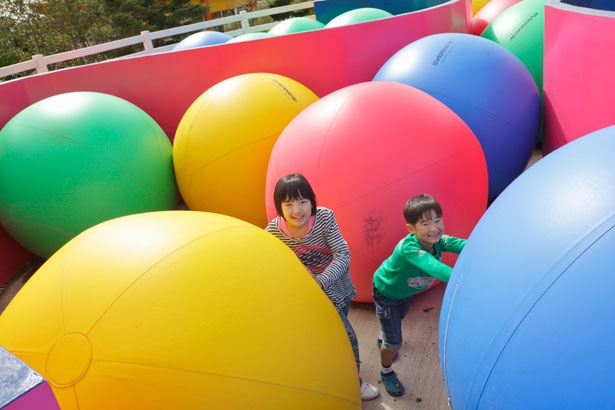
(285,16)
(130,17)
(30,27)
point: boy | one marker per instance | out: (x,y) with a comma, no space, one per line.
(412,267)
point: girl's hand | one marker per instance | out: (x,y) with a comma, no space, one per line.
(314,277)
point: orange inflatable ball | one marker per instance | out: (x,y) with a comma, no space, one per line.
(224,140)
(181,310)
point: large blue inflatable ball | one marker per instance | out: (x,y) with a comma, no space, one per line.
(483,83)
(527,316)
(201,39)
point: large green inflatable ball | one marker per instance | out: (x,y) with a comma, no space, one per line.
(359,15)
(73,160)
(296,25)
(520,29)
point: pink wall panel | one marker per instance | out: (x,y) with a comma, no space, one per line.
(165,84)
(579,67)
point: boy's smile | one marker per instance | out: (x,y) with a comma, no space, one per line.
(428,229)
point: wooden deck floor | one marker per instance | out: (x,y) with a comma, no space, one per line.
(418,365)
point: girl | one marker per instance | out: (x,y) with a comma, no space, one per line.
(312,233)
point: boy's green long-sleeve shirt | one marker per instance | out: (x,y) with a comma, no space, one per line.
(411,269)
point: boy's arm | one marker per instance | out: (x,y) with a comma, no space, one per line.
(428,263)
(452,244)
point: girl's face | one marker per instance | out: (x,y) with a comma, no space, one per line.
(428,229)
(297,213)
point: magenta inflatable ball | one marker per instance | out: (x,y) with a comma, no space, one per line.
(366,149)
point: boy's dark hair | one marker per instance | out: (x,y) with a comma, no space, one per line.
(293,186)
(418,206)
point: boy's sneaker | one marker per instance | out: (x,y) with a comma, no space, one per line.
(392,384)
(369,392)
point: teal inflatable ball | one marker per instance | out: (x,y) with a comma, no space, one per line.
(359,15)
(527,316)
(296,25)
(485,85)
(249,37)
(201,39)
(73,160)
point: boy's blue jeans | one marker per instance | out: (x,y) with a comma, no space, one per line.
(390,312)
(351,334)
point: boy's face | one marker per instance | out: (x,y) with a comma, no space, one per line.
(428,229)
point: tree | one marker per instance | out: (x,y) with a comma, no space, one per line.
(29,27)
(19,31)
(130,17)
(77,23)
(284,16)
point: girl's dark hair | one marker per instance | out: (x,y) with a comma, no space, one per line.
(418,206)
(293,186)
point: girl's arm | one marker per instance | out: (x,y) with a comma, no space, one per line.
(339,249)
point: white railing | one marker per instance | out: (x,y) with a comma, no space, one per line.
(40,62)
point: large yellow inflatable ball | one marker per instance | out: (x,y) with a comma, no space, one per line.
(223,142)
(477,5)
(181,310)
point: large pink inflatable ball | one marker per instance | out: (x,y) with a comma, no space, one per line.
(520,29)
(366,149)
(527,317)
(76,159)
(487,13)
(249,37)
(486,85)
(223,142)
(359,15)
(181,310)
(201,39)
(296,25)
